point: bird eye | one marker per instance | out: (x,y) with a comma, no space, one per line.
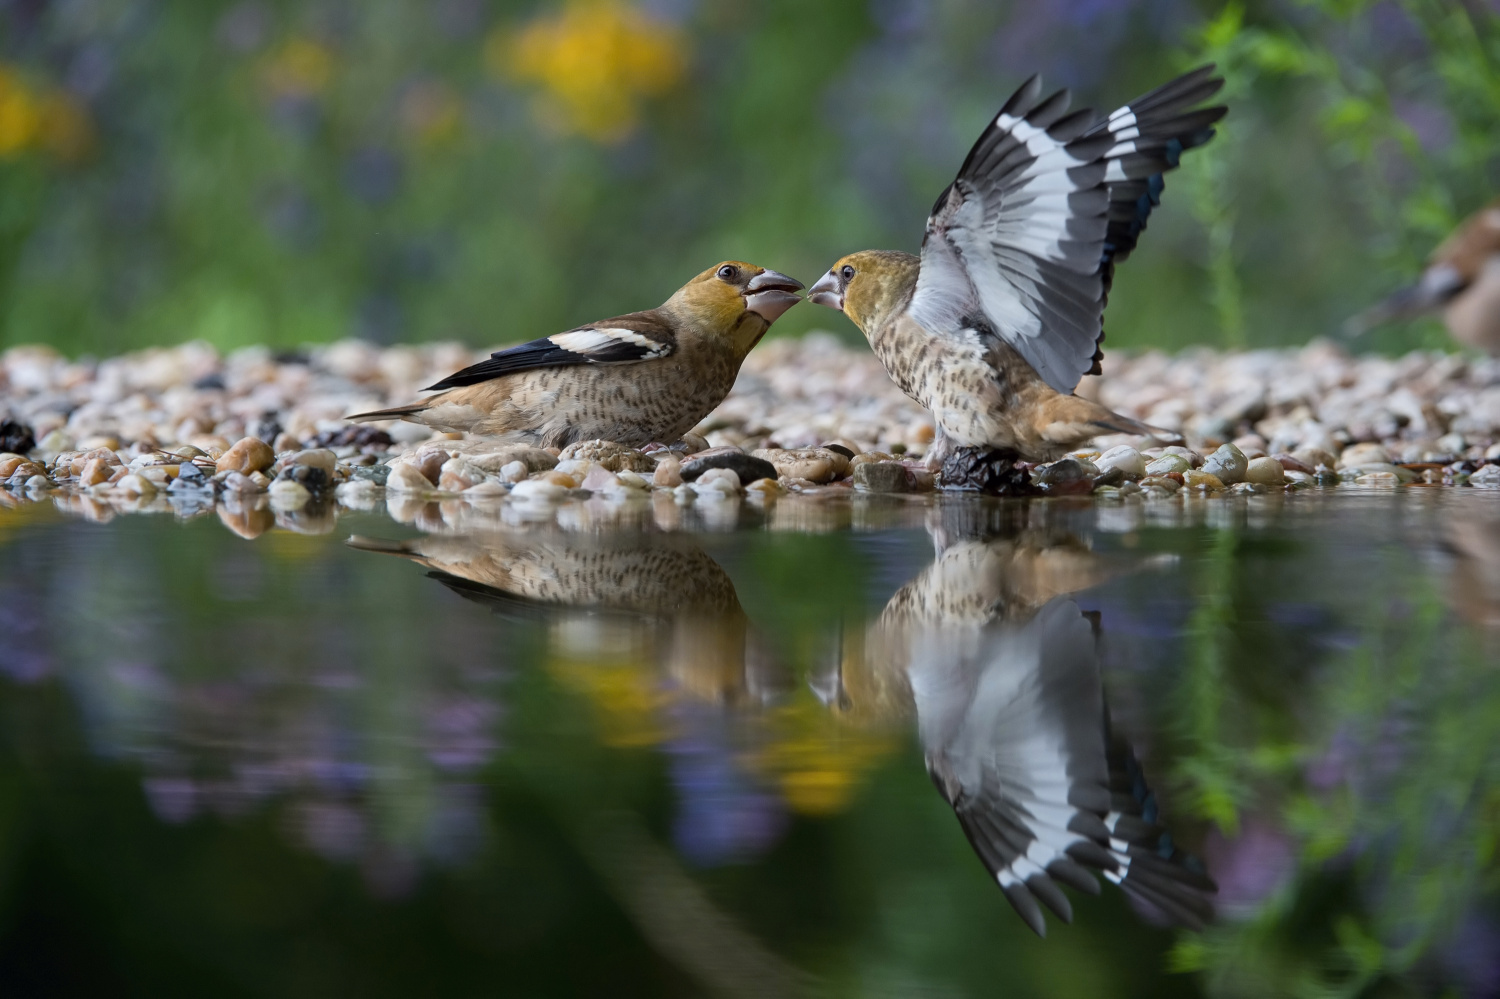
(847,273)
(729,273)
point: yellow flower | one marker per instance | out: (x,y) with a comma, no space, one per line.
(301,67)
(51,121)
(595,60)
(20,117)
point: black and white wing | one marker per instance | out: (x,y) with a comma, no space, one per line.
(641,336)
(1016,737)
(1025,240)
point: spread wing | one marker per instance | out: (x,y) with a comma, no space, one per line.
(1025,240)
(1017,741)
(641,336)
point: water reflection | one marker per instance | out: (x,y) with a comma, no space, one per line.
(722,734)
(1004,675)
(999,668)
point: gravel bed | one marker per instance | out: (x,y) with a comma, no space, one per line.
(187,427)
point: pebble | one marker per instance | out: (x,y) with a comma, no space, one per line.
(539,489)
(1487,477)
(1161,482)
(287,494)
(404,478)
(95,472)
(1316,457)
(1293,464)
(1228,464)
(376,474)
(1359,455)
(668,474)
(1167,464)
(135,485)
(611,456)
(1381,479)
(246,455)
(1266,471)
(1066,477)
(746,466)
(815,464)
(1124,457)
(763,489)
(723,481)
(1205,482)
(557,478)
(881,477)
(514,471)
(457,474)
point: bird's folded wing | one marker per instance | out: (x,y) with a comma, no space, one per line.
(1022,244)
(638,337)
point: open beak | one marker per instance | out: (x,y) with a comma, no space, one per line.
(769,294)
(827,292)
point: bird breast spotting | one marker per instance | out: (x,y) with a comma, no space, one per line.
(637,379)
(993,325)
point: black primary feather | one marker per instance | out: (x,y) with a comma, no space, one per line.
(639,337)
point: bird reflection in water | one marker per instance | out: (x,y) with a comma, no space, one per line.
(1002,668)
(985,649)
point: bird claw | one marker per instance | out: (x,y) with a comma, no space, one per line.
(991,471)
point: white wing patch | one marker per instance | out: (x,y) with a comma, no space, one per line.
(593,340)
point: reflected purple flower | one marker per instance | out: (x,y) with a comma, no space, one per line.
(1250,867)
(721,816)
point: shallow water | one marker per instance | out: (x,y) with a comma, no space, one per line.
(647,750)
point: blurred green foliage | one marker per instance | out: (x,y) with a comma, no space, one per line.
(281,172)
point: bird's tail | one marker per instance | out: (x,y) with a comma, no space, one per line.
(1107,421)
(1408,303)
(384,546)
(394,413)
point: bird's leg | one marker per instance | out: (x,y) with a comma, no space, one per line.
(992,471)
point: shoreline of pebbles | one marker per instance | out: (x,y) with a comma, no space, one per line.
(812,416)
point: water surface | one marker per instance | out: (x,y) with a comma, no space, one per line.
(650,750)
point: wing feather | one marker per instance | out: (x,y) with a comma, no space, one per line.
(642,336)
(1046,203)
(1018,740)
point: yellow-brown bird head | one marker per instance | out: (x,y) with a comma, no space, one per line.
(867,286)
(734,300)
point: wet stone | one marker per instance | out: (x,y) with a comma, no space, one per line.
(1227,464)
(747,467)
(371,473)
(881,477)
(1126,458)
(1167,464)
(248,454)
(1065,477)
(1266,471)
(816,464)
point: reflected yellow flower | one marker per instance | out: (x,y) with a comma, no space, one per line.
(300,67)
(816,758)
(628,698)
(596,60)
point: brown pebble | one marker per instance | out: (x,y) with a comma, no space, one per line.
(285,442)
(248,454)
(1293,464)
(668,473)
(95,472)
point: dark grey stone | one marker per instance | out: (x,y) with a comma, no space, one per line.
(746,466)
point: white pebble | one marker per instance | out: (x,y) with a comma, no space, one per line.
(1126,458)
(289,495)
(538,489)
(514,471)
(406,478)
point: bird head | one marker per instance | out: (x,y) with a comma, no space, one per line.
(867,286)
(735,300)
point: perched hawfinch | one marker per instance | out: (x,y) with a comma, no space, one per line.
(636,379)
(1462,281)
(993,325)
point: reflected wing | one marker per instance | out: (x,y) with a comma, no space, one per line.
(1025,240)
(1016,742)
(641,336)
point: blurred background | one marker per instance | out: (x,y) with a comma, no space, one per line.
(491,171)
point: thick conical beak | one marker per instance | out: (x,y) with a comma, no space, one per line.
(827,292)
(770,293)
